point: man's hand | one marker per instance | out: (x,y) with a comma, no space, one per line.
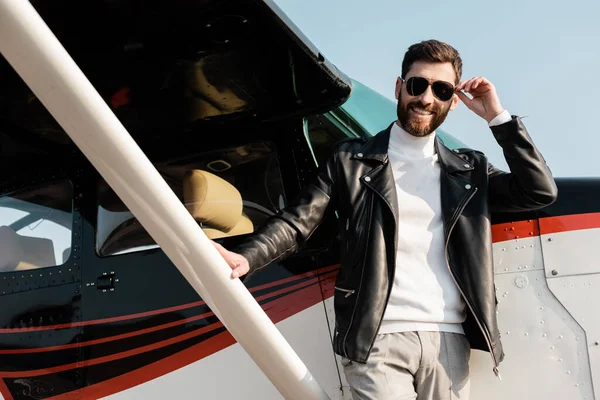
(485,101)
(237,262)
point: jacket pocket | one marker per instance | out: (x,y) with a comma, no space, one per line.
(348,292)
(344,301)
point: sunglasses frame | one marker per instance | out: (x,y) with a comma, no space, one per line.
(429,83)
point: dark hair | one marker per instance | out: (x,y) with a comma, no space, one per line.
(432,51)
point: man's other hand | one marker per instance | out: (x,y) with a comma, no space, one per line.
(237,262)
(485,101)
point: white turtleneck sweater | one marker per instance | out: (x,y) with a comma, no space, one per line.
(424,296)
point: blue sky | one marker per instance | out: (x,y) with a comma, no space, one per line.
(542,56)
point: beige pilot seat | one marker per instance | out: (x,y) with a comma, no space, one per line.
(215,204)
(19,253)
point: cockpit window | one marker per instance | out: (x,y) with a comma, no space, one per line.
(229,192)
(36,226)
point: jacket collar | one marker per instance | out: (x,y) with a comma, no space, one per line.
(451,160)
(376,149)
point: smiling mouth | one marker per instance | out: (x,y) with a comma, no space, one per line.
(421,111)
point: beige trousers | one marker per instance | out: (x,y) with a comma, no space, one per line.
(412,365)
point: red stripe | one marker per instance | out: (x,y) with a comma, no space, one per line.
(291,288)
(154,312)
(109,338)
(112,357)
(4,390)
(566,223)
(104,320)
(514,230)
(155,328)
(544,226)
(292,304)
(279,310)
(295,277)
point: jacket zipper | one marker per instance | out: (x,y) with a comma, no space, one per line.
(485,335)
(361,279)
(349,292)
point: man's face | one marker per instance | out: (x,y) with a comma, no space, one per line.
(421,115)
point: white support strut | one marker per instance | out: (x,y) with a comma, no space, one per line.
(38,57)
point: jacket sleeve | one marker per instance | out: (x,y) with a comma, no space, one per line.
(284,233)
(530,184)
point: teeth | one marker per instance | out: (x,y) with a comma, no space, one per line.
(420,111)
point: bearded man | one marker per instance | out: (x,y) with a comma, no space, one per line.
(415,290)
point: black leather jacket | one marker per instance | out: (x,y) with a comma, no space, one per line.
(357,181)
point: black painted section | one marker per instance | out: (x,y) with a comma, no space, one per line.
(575,196)
(41,387)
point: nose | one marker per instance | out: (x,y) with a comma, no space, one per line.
(427,96)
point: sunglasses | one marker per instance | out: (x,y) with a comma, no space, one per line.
(416,86)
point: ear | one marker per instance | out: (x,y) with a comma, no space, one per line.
(455,101)
(398,87)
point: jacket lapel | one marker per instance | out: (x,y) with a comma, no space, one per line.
(455,183)
(380,178)
(451,161)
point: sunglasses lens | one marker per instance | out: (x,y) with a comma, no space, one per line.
(415,86)
(443,90)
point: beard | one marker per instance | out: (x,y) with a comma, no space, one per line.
(415,126)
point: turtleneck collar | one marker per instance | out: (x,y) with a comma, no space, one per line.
(409,145)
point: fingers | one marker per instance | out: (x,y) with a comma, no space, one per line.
(479,81)
(466,85)
(464,98)
(237,262)
(241,268)
(461,86)
(472,84)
